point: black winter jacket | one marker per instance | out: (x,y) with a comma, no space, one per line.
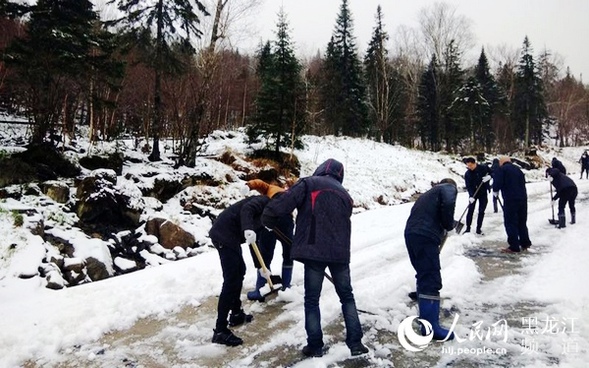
(558,165)
(510,180)
(324,208)
(244,215)
(560,182)
(432,214)
(473,178)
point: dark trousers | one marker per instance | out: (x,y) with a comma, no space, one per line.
(233,268)
(267,242)
(567,195)
(515,217)
(314,276)
(425,257)
(482,200)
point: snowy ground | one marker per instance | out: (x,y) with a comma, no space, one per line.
(527,310)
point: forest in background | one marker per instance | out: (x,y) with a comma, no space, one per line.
(158,69)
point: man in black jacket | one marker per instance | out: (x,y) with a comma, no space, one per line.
(235,225)
(322,240)
(432,216)
(476,177)
(566,191)
(510,180)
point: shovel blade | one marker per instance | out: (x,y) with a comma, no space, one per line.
(459,227)
(553,222)
(276,279)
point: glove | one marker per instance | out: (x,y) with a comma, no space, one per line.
(471,200)
(486,178)
(550,178)
(266,274)
(250,236)
(496,194)
(244,190)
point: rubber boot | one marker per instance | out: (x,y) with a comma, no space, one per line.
(429,309)
(561,221)
(573,218)
(255,294)
(286,277)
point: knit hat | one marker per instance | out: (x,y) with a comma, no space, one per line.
(264,188)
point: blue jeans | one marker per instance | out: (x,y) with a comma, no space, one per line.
(314,275)
(267,242)
(424,254)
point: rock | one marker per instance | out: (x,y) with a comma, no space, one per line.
(96,270)
(172,235)
(56,190)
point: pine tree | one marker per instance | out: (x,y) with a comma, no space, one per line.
(54,58)
(528,109)
(174,22)
(494,97)
(280,104)
(428,107)
(344,91)
(378,75)
(451,80)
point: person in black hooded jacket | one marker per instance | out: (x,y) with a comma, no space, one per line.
(321,240)
(566,192)
(557,164)
(432,216)
(237,224)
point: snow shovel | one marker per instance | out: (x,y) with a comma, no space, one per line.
(460,225)
(552,221)
(272,279)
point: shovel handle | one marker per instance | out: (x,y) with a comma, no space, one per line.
(262,264)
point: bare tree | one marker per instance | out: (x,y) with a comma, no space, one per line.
(439,24)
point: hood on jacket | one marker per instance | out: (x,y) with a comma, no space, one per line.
(331,167)
(553,172)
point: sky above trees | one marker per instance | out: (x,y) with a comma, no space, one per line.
(559,26)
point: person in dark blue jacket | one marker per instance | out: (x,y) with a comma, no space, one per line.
(476,176)
(495,168)
(556,164)
(566,192)
(510,180)
(235,225)
(321,240)
(432,216)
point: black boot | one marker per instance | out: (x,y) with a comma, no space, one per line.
(226,337)
(573,218)
(239,318)
(561,221)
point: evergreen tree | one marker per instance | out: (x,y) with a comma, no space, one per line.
(174,22)
(378,75)
(528,109)
(344,93)
(280,104)
(428,107)
(494,97)
(502,120)
(453,124)
(473,107)
(54,58)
